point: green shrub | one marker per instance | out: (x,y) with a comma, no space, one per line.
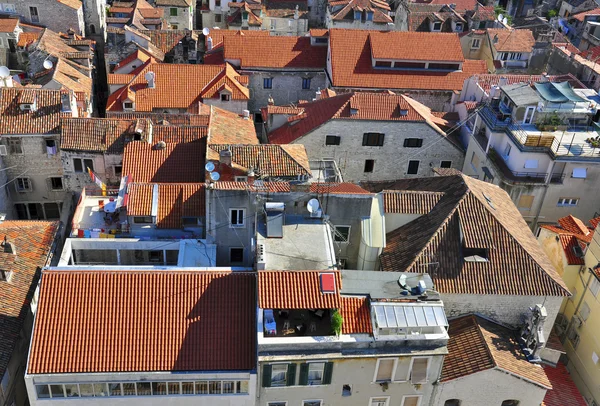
(336,322)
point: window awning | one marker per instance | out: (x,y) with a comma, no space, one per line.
(394,316)
(558,92)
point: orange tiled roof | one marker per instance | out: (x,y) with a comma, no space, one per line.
(165,40)
(351,106)
(174,119)
(175,200)
(33,241)
(26,38)
(572,232)
(581,16)
(177,86)
(564,392)
(296,290)
(512,40)
(96,134)
(46,120)
(8,24)
(483,216)
(175,163)
(226,127)
(319,32)
(284,187)
(460,5)
(119,78)
(74,4)
(292,52)
(486,81)
(266,160)
(175,134)
(432,46)
(135,55)
(380,10)
(477,345)
(408,201)
(218,35)
(351,65)
(357,315)
(159,321)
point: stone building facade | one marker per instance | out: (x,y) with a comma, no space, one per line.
(58,16)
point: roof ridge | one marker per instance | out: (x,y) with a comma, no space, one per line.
(283,147)
(487,348)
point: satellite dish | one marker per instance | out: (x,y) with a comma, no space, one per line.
(504,20)
(500,17)
(209,166)
(215,176)
(149,76)
(205,31)
(48,64)
(4,72)
(312,206)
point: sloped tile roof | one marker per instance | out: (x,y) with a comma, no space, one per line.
(421,14)
(166,40)
(96,134)
(379,8)
(195,120)
(460,5)
(564,392)
(432,46)
(33,241)
(296,290)
(408,201)
(257,52)
(486,218)
(357,315)
(174,321)
(74,4)
(284,187)
(218,35)
(351,65)
(512,40)
(477,345)
(319,32)
(119,79)
(26,38)
(235,18)
(572,232)
(46,120)
(226,127)
(267,160)
(8,25)
(581,16)
(172,134)
(175,200)
(351,106)
(486,81)
(175,163)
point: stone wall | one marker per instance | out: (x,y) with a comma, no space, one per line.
(52,14)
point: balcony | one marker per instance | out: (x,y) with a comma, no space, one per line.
(522,177)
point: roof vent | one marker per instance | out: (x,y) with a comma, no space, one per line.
(160,145)
(327,282)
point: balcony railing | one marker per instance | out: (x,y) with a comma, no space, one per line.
(524,177)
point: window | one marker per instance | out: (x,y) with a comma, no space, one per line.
(580,173)
(525,202)
(305,83)
(218,18)
(510,403)
(476,43)
(15,146)
(128,105)
(531,164)
(191,221)
(346,390)
(129,389)
(33,12)
(594,287)
(507,151)
(228,387)
(584,311)
(225,97)
(277,404)
(173,12)
(236,255)
(9,8)
(446,164)
(237,218)
(42,391)
(413,167)
(458,27)
(52,211)
(86,390)
(379,401)
(413,143)
(568,201)
(341,234)
(369,165)
(452,402)
(217,3)
(373,139)
(311,403)
(142,220)
(144,389)
(82,165)
(267,83)
(437,26)
(56,183)
(159,388)
(23,185)
(411,401)
(420,367)
(202,388)
(332,140)
(279,374)
(384,369)
(383,64)
(118,170)
(315,373)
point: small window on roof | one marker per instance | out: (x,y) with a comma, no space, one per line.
(327,281)
(475,254)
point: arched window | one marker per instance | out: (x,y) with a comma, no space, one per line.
(511,403)
(92,29)
(452,402)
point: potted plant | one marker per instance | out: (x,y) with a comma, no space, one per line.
(594,141)
(336,322)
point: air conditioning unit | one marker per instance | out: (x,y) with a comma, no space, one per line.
(3,151)
(260,257)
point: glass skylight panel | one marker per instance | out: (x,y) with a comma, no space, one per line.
(430,316)
(440,316)
(380,317)
(400,316)
(420,316)
(390,316)
(411,319)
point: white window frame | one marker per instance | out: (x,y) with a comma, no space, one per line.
(420,397)
(285,376)
(336,229)
(594,286)
(243,224)
(322,372)
(568,202)
(387,400)
(312,400)
(241,179)
(29,187)
(412,361)
(377,369)
(62,182)
(475,43)
(580,171)
(433,27)
(277,402)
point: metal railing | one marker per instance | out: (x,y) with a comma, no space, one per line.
(525,177)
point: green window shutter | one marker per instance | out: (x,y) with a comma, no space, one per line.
(266,376)
(303,374)
(327,373)
(291,375)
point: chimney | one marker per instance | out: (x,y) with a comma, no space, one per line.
(251,177)
(225,157)
(9,247)
(149,76)
(246,114)
(296,13)
(209,43)
(318,94)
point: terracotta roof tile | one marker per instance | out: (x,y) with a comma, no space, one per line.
(292,52)
(432,46)
(218,35)
(135,55)
(352,67)
(96,134)
(581,16)
(172,134)
(319,32)
(594,222)
(460,5)
(477,344)
(119,79)
(74,4)
(175,163)
(66,75)
(175,200)
(26,38)
(296,290)
(226,127)
(164,118)
(516,263)
(572,232)
(380,10)
(266,160)
(414,202)
(284,187)
(8,25)
(176,321)
(33,241)
(486,81)
(512,40)
(564,392)
(357,315)
(46,120)
(166,40)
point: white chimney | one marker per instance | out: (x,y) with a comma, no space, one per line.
(246,114)
(502,81)
(149,76)
(209,43)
